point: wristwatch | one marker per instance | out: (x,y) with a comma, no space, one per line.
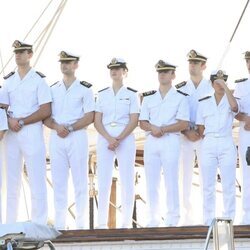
(70,128)
(21,123)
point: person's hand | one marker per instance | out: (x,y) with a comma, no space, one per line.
(113,143)
(192,135)
(220,82)
(62,131)
(14,125)
(156,131)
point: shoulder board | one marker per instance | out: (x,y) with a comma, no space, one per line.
(148,93)
(54,83)
(185,94)
(181,84)
(237,98)
(103,89)
(131,89)
(9,75)
(240,80)
(204,98)
(40,74)
(86,84)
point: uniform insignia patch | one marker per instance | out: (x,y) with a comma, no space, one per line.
(204,98)
(148,93)
(54,83)
(9,75)
(86,84)
(240,80)
(103,89)
(181,84)
(185,94)
(40,74)
(131,89)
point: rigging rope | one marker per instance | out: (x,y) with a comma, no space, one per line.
(231,39)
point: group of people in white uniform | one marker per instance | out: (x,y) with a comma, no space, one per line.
(188,121)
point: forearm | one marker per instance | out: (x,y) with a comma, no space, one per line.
(176,127)
(146,126)
(130,126)
(231,99)
(241,117)
(42,113)
(86,120)
(50,123)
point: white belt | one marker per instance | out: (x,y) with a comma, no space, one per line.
(115,124)
(217,135)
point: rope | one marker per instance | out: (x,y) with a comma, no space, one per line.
(56,17)
(28,33)
(231,39)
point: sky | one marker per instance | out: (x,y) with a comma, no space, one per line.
(140,31)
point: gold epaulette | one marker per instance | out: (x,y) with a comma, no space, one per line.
(131,89)
(148,93)
(204,98)
(86,84)
(185,94)
(181,84)
(54,84)
(9,75)
(240,80)
(103,89)
(40,74)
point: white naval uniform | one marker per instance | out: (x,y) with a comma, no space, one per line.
(116,110)
(68,106)
(163,153)
(190,149)
(217,151)
(24,96)
(242,91)
(3,126)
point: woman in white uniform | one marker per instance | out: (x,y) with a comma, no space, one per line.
(215,119)
(117,111)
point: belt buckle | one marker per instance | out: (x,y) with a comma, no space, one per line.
(113,124)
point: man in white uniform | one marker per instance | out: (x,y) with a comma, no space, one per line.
(72,111)
(242,91)
(196,87)
(3,128)
(215,120)
(164,114)
(28,96)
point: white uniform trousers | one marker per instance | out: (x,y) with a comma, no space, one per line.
(28,143)
(125,154)
(70,153)
(162,153)
(189,150)
(218,152)
(244,142)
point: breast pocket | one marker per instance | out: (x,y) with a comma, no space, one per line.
(123,105)
(29,95)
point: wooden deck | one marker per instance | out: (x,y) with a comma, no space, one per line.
(144,234)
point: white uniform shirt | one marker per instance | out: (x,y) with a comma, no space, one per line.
(117,108)
(69,105)
(166,111)
(194,94)
(24,96)
(242,91)
(217,119)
